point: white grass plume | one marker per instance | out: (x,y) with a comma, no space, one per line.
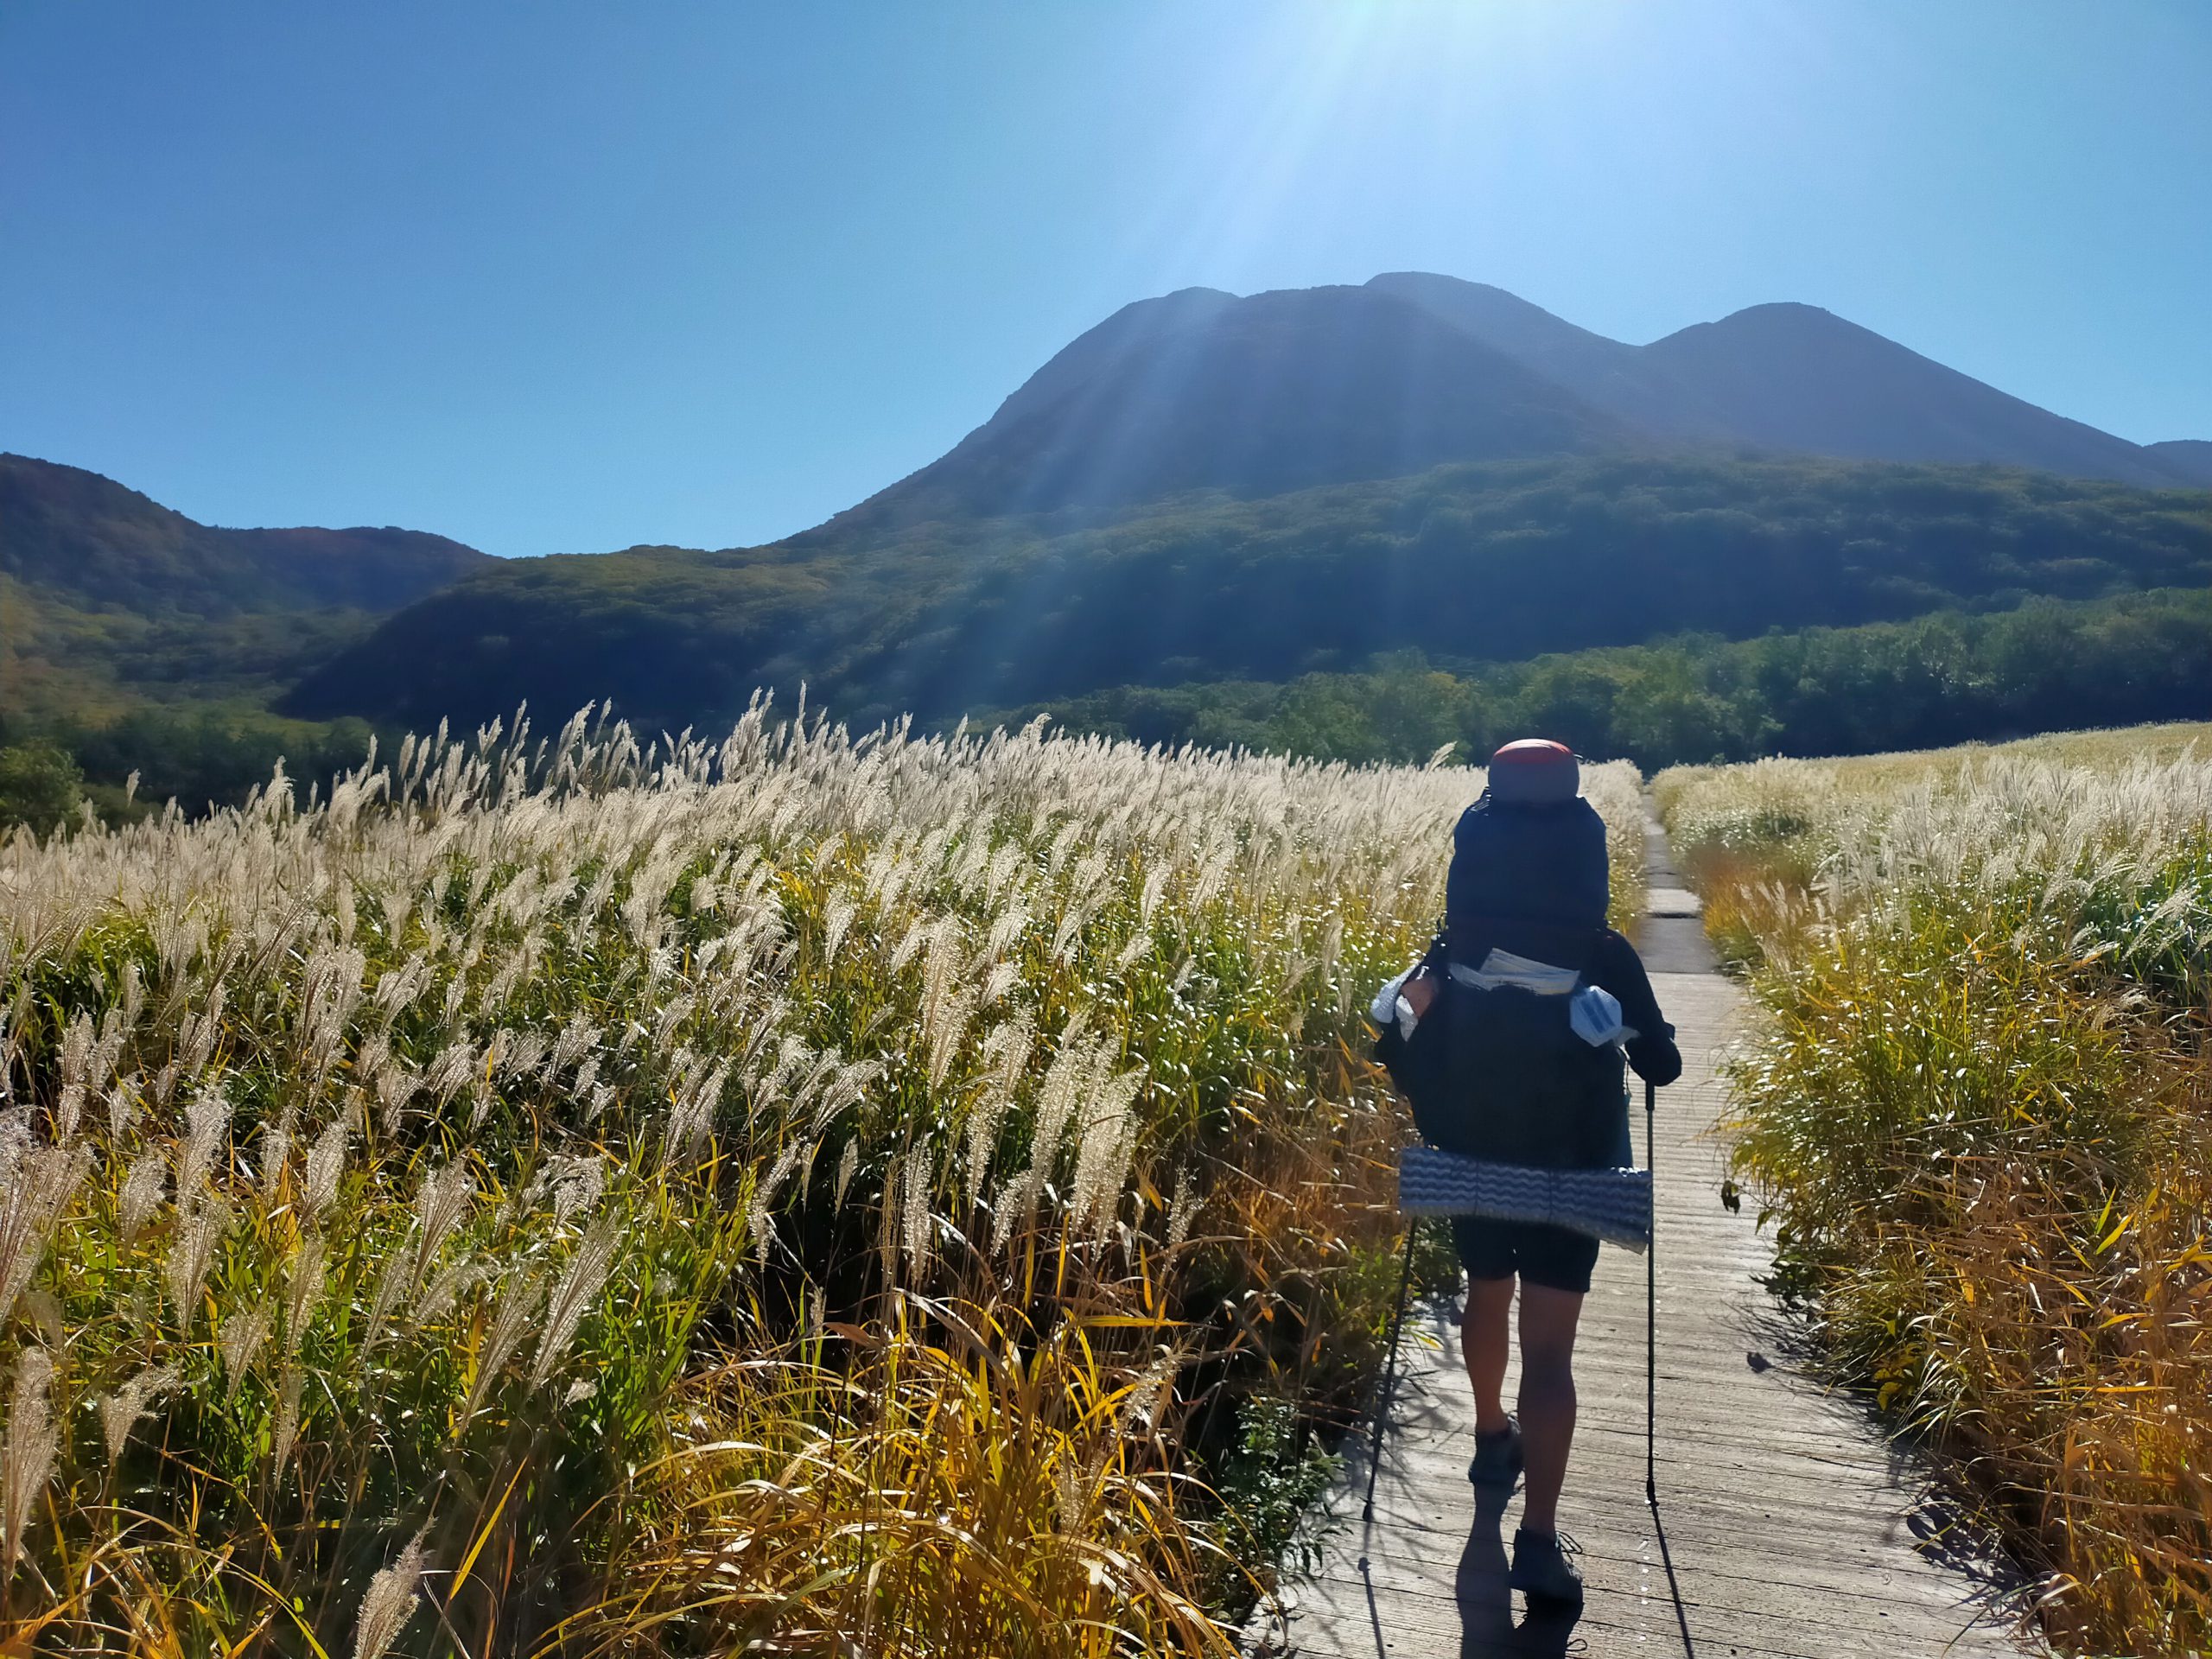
(573,1295)
(121,1410)
(303,1285)
(513,1312)
(325,1166)
(207,1120)
(199,1235)
(291,1384)
(389,1603)
(28,1457)
(37,1185)
(243,1335)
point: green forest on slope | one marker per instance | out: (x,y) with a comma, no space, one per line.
(1947,677)
(1660,609)
(111,600)
(1491,563)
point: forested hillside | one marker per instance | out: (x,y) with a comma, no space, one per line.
(1946,677)
(110,596)
(1499,562)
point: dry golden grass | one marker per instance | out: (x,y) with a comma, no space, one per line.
(1980,1116)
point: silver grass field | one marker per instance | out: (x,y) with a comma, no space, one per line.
(835,1194)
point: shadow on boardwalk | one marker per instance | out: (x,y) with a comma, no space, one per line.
(1488,1628)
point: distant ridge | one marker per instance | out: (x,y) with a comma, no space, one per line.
(1618,379)
(1796,377)
(2191,458)
(78,535)
(107,596)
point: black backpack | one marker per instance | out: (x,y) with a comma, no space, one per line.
(1516,868)
(1498,1074)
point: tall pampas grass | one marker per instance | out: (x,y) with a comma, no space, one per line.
(28,1452)
(1979,1108)
(434,1157)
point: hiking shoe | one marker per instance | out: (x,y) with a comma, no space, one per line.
(1497,1463)
(1541,1570)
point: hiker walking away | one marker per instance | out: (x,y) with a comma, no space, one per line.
(1502,1064)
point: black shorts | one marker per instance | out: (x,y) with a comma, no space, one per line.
(1542,1255)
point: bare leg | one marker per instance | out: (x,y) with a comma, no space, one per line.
(1483,1332)
(1547,1322)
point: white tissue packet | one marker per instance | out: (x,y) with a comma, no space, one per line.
(1595,1013)
(1390,1008)
(1383,1008)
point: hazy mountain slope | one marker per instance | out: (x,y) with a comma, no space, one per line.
(74,532)
(1136,325)
(1795,377)
(2189,459)
(1496,560)
(1279,391)
(1616,377)
(102,588)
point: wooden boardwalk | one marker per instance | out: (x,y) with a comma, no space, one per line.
(1789,1526)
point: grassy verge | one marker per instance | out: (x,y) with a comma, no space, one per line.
(1980,1116)
(834,1195)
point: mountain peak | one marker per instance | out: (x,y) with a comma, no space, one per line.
(1785,311)
(2190,460)
(1199,389)
(1489,313)
(1273,391)
(1789,376)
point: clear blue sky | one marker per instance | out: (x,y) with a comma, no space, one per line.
(566,276)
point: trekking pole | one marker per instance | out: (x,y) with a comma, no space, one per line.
(1651,1305)
(1389,1373)
(1651,1372)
